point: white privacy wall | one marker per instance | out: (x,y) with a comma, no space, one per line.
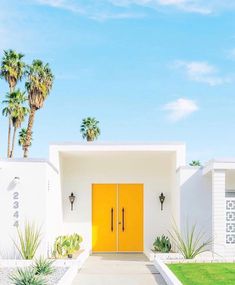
(27,201)
(195,199)
(155,170)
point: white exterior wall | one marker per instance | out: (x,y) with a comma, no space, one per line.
(32,193)
(54,226)
(195,199)
(155,170)
(218,211)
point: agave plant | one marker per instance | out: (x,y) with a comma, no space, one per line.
(29,241)
(191,243)
(162,244)
(43,266)
(27,276)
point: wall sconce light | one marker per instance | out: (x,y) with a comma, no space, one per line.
(16,180)
(72,199)
(162,199)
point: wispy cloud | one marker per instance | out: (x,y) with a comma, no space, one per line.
(201,71)
(189,6)
(180,109)
(63,4)
(100,12)
(119,9)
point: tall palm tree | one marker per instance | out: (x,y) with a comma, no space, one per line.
(22,138)
(90,129)
(12,70)
(18,115)
(16,112)
(39,83)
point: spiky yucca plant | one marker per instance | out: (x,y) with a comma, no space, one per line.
(27,276)
(43,266)
(191,243)
(29,240)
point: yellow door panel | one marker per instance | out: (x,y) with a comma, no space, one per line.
(104,218)
(130,217)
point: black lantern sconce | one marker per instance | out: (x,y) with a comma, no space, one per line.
(72,199)
(162,199)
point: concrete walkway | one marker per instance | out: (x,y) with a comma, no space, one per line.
(118,269)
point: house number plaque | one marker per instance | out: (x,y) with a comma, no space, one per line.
(16,209)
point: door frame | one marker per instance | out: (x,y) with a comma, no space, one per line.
(117,204)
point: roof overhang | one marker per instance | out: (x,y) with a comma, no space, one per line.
(57,150)
(214,164)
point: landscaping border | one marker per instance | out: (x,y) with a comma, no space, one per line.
(160,261)
(73,266)
(166,273)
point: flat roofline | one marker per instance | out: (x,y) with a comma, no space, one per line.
(189,167)
(115,143)
(29,160)
(219,164)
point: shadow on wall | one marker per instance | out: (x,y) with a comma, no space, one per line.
(196,202)
(10,253)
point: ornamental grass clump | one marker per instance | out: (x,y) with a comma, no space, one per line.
(27,276)
(43,266)
(29,240)
(191,243)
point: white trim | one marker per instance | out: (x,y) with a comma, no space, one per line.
(166,273)
(218,165)
(27,160)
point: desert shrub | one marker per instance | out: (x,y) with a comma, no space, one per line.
(27,276)
(162,244)
(43,266)
(29,240)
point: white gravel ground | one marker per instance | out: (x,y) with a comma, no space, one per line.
(52,279)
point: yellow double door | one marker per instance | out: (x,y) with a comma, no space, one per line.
(117,218)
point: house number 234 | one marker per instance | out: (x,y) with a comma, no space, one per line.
(16,209)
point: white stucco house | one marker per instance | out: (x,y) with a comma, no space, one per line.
(117,189)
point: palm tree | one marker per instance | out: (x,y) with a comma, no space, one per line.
(22,138)
(195,163)
(89,129)
(12,70)
(18,115)
(39,83)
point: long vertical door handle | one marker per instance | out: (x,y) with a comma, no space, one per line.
(111,219)
(123,219)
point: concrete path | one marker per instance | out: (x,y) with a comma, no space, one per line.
(118,269)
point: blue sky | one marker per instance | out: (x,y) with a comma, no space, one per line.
(148,70)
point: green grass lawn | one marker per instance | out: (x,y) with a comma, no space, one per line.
(205,273)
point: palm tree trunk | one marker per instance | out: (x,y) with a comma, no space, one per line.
(9,138)
(13,142)
(29,131)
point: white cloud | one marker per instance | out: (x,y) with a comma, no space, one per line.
(201,71)
(90,9)
(180,109)
(63,4)
(111,8)
(192,6)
